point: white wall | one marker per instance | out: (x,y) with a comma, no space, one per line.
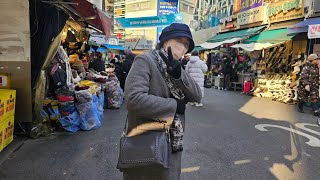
(14,30)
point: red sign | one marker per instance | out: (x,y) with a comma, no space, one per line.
(229,26)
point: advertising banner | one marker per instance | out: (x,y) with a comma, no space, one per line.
(314,31)
(137,44)
(285,10)
(316,6)
(167,7)
(251,16)
(149,21)
(250,4)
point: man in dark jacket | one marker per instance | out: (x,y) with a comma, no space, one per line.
(98,64)
(185,61)
(226,71)
(308,90)
(128,62)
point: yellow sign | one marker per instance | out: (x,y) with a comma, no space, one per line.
(285,10)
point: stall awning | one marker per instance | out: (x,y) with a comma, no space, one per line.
(265,40)
(207,45)
(242,34)
(100,49)
(115,47)
(85,11)
(271,36)
(255,46)
(303,26)
(198,48)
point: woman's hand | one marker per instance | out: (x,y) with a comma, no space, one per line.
(174,66)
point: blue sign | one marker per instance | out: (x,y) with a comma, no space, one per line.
(149,21)
(167,7)
(159,31)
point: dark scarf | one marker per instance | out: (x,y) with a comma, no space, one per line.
(176,129)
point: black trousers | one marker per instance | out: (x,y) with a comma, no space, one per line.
(313,105)
(226,81)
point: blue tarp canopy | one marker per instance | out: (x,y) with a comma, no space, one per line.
(116,47)
(100,49)
(303,26)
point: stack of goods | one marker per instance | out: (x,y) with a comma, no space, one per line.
(277,87)
(69,117)
(114,93)
(7,110)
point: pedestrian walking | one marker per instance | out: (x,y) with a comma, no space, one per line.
(196,69)
(157,90)
(308,90)
(185,61)
(119,70)
(226,71)
(98,63)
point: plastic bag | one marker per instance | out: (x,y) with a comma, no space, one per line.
(89,116)
(71,123)
(83,96)
(67,108)
(101,104)
(114,95)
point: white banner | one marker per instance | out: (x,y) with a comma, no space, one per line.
(314,31)
(251,16)
(138,44)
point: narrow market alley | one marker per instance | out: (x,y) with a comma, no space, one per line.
(233,136)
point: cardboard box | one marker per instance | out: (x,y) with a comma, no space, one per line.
(1,136)
(8,127)
(7,103)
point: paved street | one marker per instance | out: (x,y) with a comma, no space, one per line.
(233,136)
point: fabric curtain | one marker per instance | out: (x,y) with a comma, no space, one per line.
(46,23)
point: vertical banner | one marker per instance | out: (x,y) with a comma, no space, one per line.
(167,7)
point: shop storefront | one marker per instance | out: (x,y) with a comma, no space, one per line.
(53,84)
(266,56)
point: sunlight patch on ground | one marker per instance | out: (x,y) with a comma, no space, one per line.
(255,108)
(190,169)
(239,162)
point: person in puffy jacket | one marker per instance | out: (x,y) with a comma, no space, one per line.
(196,68)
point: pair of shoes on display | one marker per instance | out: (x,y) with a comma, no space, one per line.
(198,104)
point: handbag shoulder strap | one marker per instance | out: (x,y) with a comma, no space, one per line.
(125,129)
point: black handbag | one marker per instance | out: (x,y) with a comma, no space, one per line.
(151,148)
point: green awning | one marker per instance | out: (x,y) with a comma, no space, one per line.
(271,36)
(198,48)
(245,33)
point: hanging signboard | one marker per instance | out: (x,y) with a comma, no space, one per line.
(316,6)
(251,16)
(167,7)
(149,21)
(314,31)
(250,4)
(138,44)
(285,10)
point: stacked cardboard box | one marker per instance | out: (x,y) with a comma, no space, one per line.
(7,110)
